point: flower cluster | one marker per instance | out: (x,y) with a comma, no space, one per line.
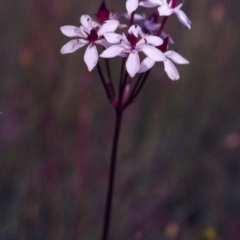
(142,35)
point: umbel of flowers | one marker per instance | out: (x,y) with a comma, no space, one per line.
(143,35)
(140,42)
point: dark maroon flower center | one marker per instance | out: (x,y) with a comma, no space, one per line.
(92,37)
(133,40)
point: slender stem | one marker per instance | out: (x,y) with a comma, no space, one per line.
(162,26)
(121,76)
(174,2)
(110,77)
(137,90)
(141,84)
(105,85)
(121,90)
(131,19)
(108,206)
(136,85)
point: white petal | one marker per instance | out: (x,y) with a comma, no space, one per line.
(108,26)
(154,40)
(103,42)
(131,6)
(113,37)
(153,53)
(138,17)
(133,64)
(81,31)
(146,64)
(121,26)
(91,57)
(95,24)
(178,7)
(71,31)
(125,40)
(176,57)
(171,70)
(112,51)
(159,2)
(73,45)
(86,21)
(135,30)
(165,10)
(148,4)
(182,17)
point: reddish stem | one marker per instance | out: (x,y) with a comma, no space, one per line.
(108,206)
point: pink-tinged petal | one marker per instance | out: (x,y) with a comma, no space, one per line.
(146,64)
(159,2)
(95,24)
(153,53)
(82,32)
(125,39)
(140,43)
(121,26)
(91,57)
(131,6)
(176,57)
(103,42)
(178,7)
(73,45)
(133,64)
(115,15)
(86,22)
(135,30)
(165,10)
(112,51)
(138,17)
(71,31)
(122,54)
(182,17)
(154,40)
(108,26)
(113,38)
(171,70)
(147,4)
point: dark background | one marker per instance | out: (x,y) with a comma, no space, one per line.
(178,172)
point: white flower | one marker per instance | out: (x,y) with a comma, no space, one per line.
(131,46)
(149,24)
(166,9)
(131,6)
(87,35)
(169,67)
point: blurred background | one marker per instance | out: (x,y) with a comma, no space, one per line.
(178,171)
